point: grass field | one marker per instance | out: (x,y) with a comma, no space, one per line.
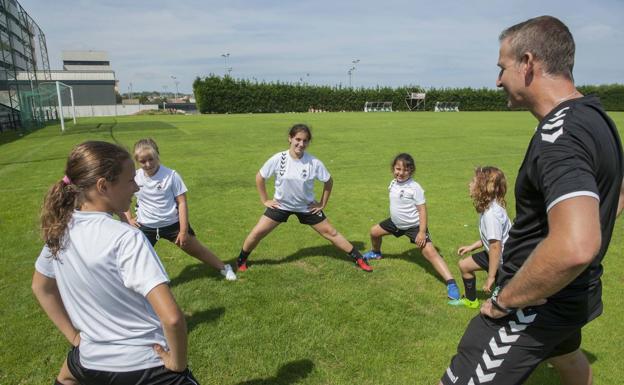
(302,314)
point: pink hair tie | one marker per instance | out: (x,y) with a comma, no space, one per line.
(66,180)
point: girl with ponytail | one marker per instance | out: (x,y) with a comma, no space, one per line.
(100,281)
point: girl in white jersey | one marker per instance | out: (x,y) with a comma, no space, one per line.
(408,216)
(295,171)
(162,210)
(100,281)
(487,190)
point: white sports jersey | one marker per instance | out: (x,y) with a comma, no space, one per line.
(404,197)
(294,179)
(156,204)
(103,274)
(494,224)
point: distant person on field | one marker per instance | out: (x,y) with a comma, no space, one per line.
(100,281)
(162,210)
(487,190)
(295,172)
(408,216)
(567,191)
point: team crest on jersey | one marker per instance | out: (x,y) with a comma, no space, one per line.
(159,186)
(401,193)
(304,174)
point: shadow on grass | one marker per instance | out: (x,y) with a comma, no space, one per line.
(192,272)
(204,316)
(546,374)
(415,255)
(287,374)
(11,135)
(33,161)
(324,250)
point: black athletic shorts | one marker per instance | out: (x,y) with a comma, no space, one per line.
(505,351)
(170,232)
(411,233)
(151,376)
(280,215)
(482,259)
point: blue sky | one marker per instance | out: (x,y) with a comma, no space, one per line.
(428,43)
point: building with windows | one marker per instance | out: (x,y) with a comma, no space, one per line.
(23,66)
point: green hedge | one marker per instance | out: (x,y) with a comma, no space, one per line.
(215,94)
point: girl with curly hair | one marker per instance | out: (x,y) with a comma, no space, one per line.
(487,190)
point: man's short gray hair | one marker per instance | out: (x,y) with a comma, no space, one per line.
(548,39)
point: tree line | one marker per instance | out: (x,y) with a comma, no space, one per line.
(217,94)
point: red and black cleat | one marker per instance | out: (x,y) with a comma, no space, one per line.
(241,265)
(362,264)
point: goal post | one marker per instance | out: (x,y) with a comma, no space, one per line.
(53,93)
(60,103)
(49,97)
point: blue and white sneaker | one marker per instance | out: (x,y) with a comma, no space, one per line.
(452,291)
(228,273)
(372,255)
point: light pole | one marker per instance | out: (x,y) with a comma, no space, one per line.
(130,89)
(175,80)
(354,62)
(350,72)
(225,57)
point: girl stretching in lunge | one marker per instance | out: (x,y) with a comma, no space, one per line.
(487,190)
(162,210)
(295,171)
(101,283)
(408,216)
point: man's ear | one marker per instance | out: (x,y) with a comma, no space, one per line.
(527,65)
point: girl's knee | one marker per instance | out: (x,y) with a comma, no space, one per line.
(427,250)
(462,266)
(376,232)
(329,232)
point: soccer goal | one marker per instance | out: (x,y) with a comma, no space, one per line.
(446,107)
(60,95)
(378,107)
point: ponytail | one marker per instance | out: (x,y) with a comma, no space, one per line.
(58,206)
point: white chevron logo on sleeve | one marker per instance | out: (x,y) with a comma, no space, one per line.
(515,328)
(490,363)
(451,376)
(525,319)
(471,382)
(506,339)
(559,113)
(484,377)
(496,350)
(558,123)
(556,117)
(552,137)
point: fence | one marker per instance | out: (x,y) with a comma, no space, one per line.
(111,110)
